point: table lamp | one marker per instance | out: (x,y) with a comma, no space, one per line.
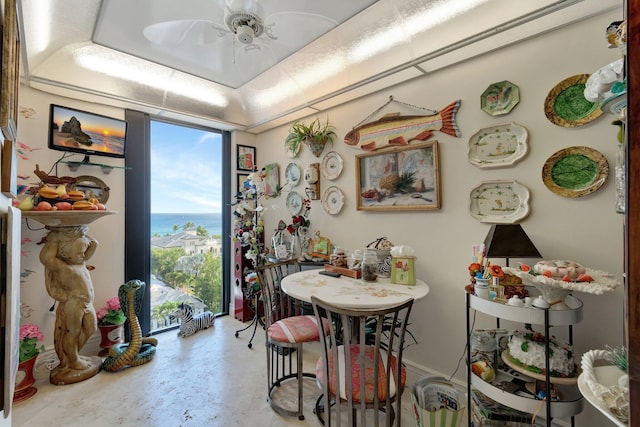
(509,241)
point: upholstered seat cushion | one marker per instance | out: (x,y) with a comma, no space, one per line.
(354,376)
(296,329)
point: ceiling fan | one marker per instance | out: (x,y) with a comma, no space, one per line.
(244,20)
(234,41)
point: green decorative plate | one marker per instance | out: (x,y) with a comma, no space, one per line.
(500,98)
(566,105)
(575,171)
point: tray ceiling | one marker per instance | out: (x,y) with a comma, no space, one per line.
(252,65)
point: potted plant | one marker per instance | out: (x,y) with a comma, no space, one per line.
(30,335)
(111,319)
(315,135)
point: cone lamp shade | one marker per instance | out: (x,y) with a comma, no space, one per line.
(509,241)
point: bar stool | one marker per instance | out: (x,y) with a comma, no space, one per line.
(287,328)
(361,363)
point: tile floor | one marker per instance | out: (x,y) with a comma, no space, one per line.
(208,379)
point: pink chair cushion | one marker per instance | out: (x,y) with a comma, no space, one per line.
(296,329)
(355,375)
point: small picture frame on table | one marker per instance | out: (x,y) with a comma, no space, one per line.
(320,248)
(246,158)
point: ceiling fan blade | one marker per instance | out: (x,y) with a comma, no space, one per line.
(187,32)
(281,25)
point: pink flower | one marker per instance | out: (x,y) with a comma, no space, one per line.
(31,331)
(113,303)
(102,313)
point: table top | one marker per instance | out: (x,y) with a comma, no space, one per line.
(350,293)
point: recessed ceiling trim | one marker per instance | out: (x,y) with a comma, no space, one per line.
(491,32)
(46,85)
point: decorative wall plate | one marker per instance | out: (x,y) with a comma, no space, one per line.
(575,171)
(499,202)
(333,200)
(293,173)
(331,165)
(294,202)
(496,146)
(566,105)
(500,98)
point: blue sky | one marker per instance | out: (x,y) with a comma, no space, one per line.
(186,164)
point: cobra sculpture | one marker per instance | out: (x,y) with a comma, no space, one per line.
(139,350)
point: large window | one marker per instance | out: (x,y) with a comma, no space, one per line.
(179,175)
(186,221)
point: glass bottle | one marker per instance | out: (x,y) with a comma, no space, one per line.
(355,260)
(369,266)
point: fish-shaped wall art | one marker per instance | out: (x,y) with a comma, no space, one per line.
(399,130)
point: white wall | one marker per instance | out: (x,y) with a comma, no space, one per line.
(585,229)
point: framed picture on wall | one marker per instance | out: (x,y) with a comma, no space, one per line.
(272,179)
(399,179)
(246,156)
(240,179)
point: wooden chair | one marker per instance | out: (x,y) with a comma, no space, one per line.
(287,328)
(350,380)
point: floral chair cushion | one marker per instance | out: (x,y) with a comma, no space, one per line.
(296,329)
(357,370)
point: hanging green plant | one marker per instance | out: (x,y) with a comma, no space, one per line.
(315,135)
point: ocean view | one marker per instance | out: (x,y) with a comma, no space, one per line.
(162,223)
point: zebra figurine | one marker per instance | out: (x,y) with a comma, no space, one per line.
(189,324)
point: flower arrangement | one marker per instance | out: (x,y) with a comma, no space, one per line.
(30,336)
(300,220)
(485,270)
(248,224)
(111,313)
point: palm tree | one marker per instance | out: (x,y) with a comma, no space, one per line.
(201,231)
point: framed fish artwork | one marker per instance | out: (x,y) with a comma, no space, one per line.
(399,179)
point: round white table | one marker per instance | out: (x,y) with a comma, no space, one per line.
(350,293)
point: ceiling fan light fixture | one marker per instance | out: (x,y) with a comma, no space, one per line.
(245,34)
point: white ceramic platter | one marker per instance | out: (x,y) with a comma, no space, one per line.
(292,173)
(499,202)
(294,202)
(497,146)
(331,165)
(333,200)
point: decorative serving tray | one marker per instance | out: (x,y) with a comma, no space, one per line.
(499,201)
(497,146)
